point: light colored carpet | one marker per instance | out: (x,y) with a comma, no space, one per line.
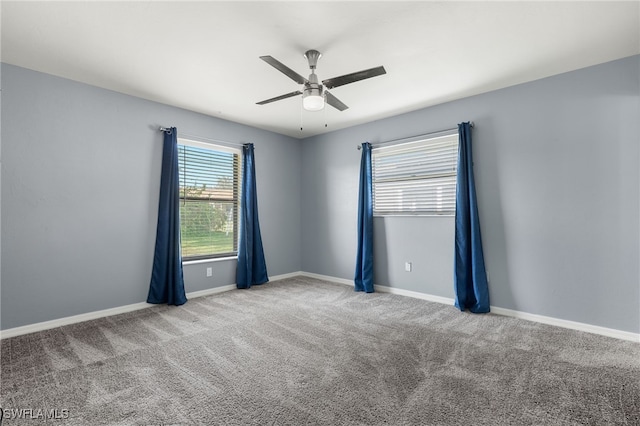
(302,351)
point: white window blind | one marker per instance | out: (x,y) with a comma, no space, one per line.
(209,199)
(416,178)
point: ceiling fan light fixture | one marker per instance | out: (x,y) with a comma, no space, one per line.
(312,99)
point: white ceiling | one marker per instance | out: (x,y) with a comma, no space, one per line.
(203,56)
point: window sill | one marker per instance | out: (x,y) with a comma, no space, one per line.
(211,260)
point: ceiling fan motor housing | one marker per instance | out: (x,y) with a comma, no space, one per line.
(312,98)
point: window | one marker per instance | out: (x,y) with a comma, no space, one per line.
(209,199)
(416,177)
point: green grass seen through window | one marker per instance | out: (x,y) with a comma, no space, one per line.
(206,242)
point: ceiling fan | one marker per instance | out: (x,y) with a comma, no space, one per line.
(313,93)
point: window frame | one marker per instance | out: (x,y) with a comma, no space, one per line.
(236,198)
(418,141)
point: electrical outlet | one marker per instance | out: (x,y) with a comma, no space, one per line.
(209,271)
(407,266)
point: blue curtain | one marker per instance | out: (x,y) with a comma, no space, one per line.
(364,259)
(252,268)
(470,276)
(167,283)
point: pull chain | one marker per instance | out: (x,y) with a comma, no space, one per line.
(325,111)
(301,108)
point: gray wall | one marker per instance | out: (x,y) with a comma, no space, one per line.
(80,183)
(556,166)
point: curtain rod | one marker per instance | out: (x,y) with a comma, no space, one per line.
(187,135)
(432,134)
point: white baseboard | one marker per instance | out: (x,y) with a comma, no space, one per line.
(46,325)
(285,276)
(573,325)
(210,291)
(327,278)
(580,326)
(382,288)
(414,294)
(589,328)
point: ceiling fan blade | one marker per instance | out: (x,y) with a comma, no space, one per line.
(277,98)
(353,77)
(335,102)
(284,69)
